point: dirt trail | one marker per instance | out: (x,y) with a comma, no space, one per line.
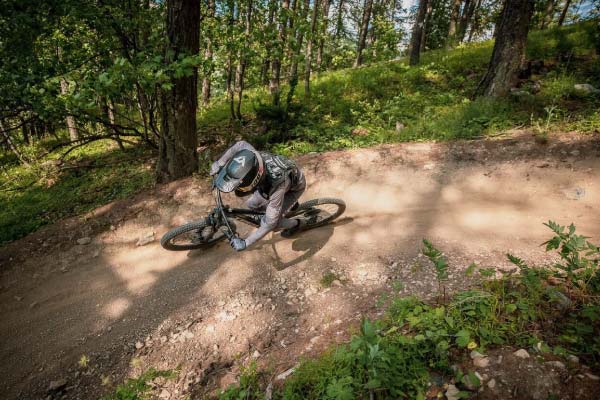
(127,307)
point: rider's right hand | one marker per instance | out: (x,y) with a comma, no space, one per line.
(214,168)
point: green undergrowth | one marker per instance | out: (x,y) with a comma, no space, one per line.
(547,309)
(88,177)
(139,388)
(392,102)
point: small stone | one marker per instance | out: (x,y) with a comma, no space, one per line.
(84,240)
(492,383)
(146,239)
(139,345)
(210,328)
(315,339)
(57,385)
(336,282)
(475,354)
(452,393)
(256,354)
(586,88)
(333,259)
(592,376)
(164,394)
(521,353)
(187,334)
(481,362)
(572,358)
(555,364)
(285,374)
(113,228)
(18,298)
(33,305)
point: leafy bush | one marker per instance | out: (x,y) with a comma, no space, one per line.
(138,388)
(393,357)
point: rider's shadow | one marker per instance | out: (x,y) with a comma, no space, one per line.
(307,243)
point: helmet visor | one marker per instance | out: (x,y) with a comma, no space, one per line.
(227,183)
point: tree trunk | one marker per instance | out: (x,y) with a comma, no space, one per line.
(11,145)
(275,84)
(208,55)
(309,46)
(364,27)
(110,114)
(241,68)
(465,19)
(476,21)
(563,14)
(426,24)
(178,141)
(230,77)
(264,71)
(325,20)
(415,41)
(71,124)
(509,49)
(295,57)
(548,14)
(454,20)
(339,25)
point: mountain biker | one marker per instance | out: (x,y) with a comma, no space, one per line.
(273,182)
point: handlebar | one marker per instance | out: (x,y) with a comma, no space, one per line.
(229,232)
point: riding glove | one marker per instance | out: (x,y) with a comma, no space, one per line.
(238,244)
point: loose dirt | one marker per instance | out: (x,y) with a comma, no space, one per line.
(127,307)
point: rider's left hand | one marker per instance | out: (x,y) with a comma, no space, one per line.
(238,244)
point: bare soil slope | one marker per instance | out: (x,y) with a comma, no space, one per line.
(128,307)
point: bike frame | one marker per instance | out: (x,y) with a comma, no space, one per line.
(242,214)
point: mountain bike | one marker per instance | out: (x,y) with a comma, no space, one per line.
(220,223)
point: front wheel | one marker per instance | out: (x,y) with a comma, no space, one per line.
(318,212)
(194,235)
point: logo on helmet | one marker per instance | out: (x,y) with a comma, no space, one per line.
(240,160)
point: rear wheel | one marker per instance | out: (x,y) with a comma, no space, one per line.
(318,212)
(194,235)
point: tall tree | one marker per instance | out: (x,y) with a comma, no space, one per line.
(178,141)
(465,18)
(64,90)
(364,27)
(475,21)
(454,21)
(309,48)
(426,23)
(297,48)
(322,33)
(548,14)
(415,41)
(264,70)
(563,14)
(243,59)
(208,55)
(274,84)
(509,49)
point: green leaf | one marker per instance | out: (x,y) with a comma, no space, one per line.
(510,308)
(463,337)
(469,271)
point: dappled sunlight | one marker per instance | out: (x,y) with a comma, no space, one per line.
(116,308)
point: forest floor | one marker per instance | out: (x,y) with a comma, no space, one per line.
(83,305)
